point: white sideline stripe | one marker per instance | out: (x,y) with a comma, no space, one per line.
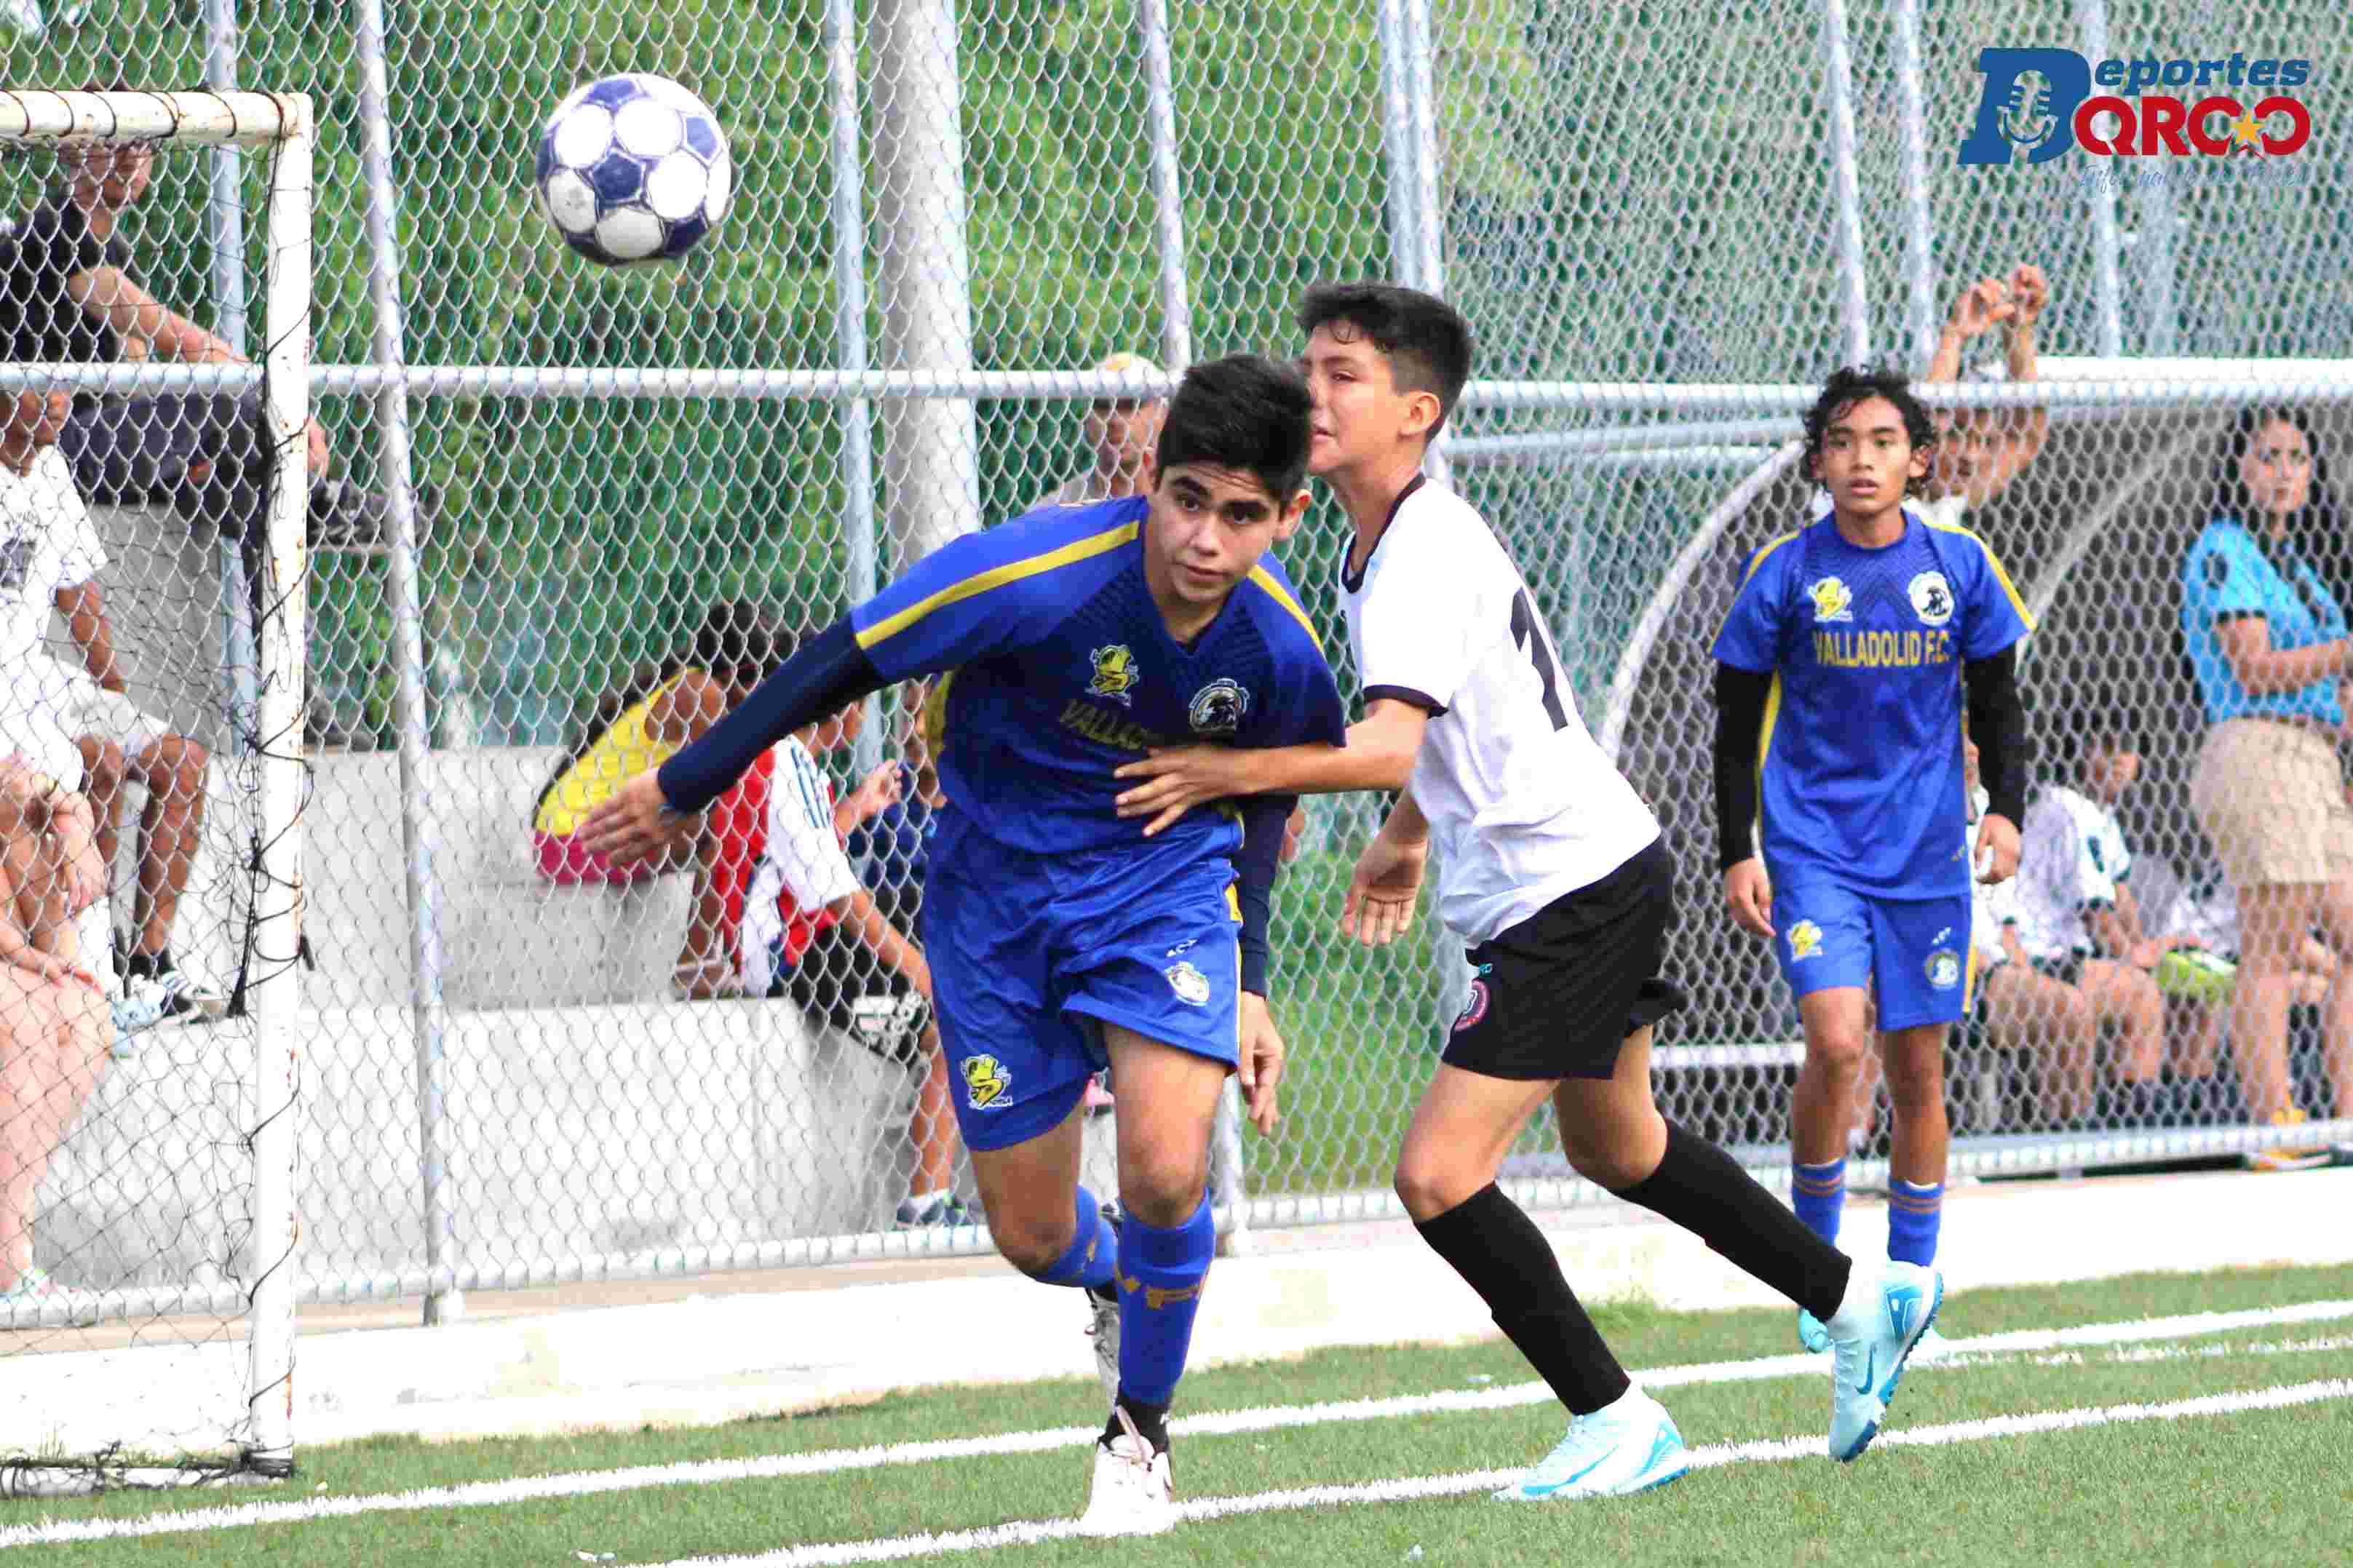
(1034,1532)
(1268,1418)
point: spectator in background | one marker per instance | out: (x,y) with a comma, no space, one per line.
(2268,643)
(659,709)
(812,931)
(52,554)
(68,292)
(54,1029)
(1121,435)
(1978,451)
(2080,922)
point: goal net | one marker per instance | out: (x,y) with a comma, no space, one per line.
(154,487)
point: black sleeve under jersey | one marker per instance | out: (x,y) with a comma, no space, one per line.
(1740,697)
(1264,818)
(826,674)
(1998,725)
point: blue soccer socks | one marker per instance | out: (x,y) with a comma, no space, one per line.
(1160,1278)
(1914,1215)
(1093,1252)
(1819,1195)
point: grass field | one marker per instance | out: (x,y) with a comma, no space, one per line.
(2068,1429)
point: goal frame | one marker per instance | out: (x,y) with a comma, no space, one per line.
(284,126)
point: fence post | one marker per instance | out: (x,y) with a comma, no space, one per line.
(1845,185)
(930,452)
(849,326)
(443,1301)
(1919,228)
(225,215)
(2107,285)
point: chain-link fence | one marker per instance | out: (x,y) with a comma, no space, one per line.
(948,223)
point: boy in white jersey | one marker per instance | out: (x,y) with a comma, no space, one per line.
(1841,673)
(1553,875)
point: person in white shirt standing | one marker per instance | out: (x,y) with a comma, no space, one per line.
(50,557)
(1553,875)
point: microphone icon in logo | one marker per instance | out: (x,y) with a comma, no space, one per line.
(2024,118)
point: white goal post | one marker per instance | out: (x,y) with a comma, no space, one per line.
(67,1447)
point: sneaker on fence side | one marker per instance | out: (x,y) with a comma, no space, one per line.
(923,1211)
(2289,1157)
(1629,1446)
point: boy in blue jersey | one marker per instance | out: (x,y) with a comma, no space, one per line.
(1057,936)
(1842,674)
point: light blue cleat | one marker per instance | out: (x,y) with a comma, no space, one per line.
(1865,1368)
(1812,1335)
(1629,1446)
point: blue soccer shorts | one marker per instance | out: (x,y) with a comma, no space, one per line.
(1912,952)
(1032,955)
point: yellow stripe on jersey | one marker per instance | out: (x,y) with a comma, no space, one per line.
(1769,550)
(1765,742)
(1265,580)
(997,577)
(1995,562)
(1234,901)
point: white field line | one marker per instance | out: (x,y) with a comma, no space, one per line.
(1984,1349)
(1033,1532)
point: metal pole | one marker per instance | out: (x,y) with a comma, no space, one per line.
(275,993)
(1838,73)
(443,1303)
(1167,192)
(849,328)
(225,215)
(1919,231)
(1396,141)
(2153,250)
(2107,285)
(930,459)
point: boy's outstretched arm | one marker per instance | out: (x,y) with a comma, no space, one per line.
(1378,756)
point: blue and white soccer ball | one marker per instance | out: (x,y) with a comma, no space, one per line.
(633,168)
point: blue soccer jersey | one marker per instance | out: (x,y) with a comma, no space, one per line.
(1064,669)
(1859,766)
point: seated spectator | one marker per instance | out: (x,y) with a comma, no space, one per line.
(1122,434)
(1980,450)
(68,292)
(53,1028)
(813,932)
(2077,917)
(45,528)
(2269,645)
(659,709)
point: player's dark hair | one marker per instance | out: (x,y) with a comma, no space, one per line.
(737,644)
(1425,339)
(1850,385)
(1243,411)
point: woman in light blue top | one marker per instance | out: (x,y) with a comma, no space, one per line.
(2268,642)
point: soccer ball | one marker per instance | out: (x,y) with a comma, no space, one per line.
(633,168)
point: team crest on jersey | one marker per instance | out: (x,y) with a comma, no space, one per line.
(1218,708)
(1192,986)
(1805,941)
(1113,674)
(1944,969)
(1932,598)
(1834,600)
(985,1081)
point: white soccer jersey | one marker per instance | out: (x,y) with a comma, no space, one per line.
(46,543)
(802,860)
(1522,806)
(2074,859)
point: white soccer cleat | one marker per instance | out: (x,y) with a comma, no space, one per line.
(1867,1358)
(1104,1329)
(1133,1493)
(1629,1446)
